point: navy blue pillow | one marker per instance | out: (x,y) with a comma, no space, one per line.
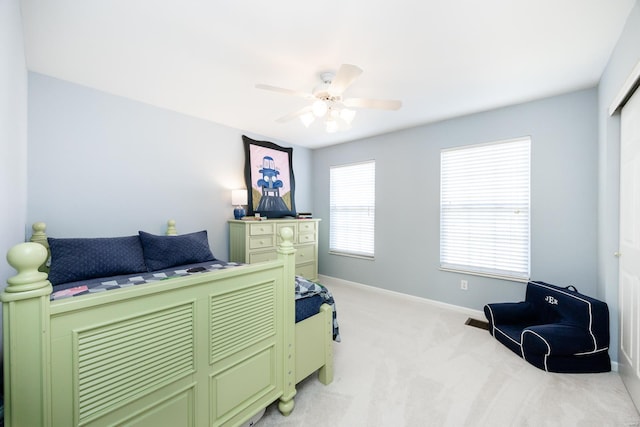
(88,258)
(162,252)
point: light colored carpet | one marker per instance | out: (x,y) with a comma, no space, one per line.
(408,362)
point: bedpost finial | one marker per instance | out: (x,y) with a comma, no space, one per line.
(39,234)
(26,258)
(286,233)
(39,227)
(171,228)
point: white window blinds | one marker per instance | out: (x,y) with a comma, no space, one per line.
(352,209)
(484,209)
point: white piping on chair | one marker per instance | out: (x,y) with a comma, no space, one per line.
(592,352)
(593,337)
(542,338)
(493,321)
(495,329)
(507,336)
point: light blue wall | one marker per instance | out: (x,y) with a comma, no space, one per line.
(103,165)
(625,56)
(13,133)
(13,136)
(564,200)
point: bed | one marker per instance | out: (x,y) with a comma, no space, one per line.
(199,347)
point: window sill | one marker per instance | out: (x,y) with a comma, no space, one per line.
(350,255)
(491,276)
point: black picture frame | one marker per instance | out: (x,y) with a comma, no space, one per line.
(268,174)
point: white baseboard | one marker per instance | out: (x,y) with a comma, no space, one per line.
(478,314)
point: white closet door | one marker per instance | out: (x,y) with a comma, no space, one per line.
(629,253)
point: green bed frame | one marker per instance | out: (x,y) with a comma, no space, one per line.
(210,349)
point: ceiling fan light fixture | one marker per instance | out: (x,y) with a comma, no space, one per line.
(307,118)
(332,126)
(327,100)
(319,108)
(347,115)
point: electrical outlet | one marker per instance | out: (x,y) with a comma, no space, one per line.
(464,285)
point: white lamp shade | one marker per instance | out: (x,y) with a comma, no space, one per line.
(238,197)
(347,115)
(332,126)
(307,119)
(319,108)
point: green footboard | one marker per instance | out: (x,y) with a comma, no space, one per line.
(207,349)
(314,346)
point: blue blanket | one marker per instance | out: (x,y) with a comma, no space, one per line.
(306,288)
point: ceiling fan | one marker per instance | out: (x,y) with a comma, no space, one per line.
(328,101)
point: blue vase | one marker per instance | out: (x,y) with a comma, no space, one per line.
(238,213)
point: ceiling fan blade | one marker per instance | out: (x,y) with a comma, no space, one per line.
(346,74)
(293,115)
(379,104)
(285,91)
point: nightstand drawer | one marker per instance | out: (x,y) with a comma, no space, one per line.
(262,256)
(261,242)
(306,227)
(261,229)
(305,254)
(308,271)
(306,238)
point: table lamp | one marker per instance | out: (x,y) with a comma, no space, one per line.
(238,199)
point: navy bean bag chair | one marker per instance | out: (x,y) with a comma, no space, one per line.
(555,329)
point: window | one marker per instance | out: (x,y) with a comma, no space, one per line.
(484,209)
(352,205)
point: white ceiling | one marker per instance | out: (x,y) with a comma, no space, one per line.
(440,58)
